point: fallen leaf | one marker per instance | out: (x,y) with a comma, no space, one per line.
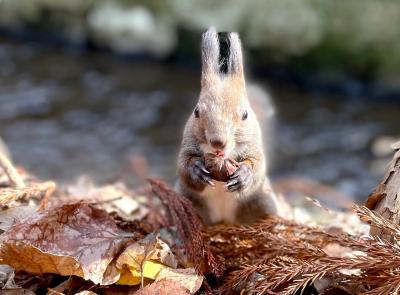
(112,198)
(61,288)
(132,276)
(163,287)
(7,277)
(74,239)
(120,290)
(187,278)
(151,258)
(146,258)
(9,216)
(35,283)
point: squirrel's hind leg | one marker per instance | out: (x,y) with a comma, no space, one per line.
(261,204)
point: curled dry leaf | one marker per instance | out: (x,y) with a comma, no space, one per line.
(219,167)
(75,239)
(151,258)
(144,259)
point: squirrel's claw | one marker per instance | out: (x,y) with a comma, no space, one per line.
(201,173)
(240,179)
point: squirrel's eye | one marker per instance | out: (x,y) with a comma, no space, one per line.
(245,115)
(196,112)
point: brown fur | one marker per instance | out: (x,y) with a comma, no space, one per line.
(223,100)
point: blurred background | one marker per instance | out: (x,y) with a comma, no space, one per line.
(88,85)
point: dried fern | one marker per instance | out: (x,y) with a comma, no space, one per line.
(277,256)
(183,216)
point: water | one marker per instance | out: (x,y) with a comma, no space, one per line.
(65,113)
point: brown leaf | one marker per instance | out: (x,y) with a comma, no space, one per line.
(112,198)
(186,278)
(75,239)
(9,216)
(163,287)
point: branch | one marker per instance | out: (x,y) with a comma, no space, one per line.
(12,173)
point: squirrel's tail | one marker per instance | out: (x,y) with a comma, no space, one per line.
(263,105)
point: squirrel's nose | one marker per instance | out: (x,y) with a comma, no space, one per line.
(217,143)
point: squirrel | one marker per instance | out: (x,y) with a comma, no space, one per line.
(223,122)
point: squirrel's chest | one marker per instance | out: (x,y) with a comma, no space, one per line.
(221,204)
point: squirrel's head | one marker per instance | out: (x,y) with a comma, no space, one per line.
(223,114)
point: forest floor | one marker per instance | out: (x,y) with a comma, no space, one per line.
(111,239)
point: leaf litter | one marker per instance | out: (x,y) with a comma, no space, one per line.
(88,239)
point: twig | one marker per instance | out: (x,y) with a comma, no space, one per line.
(37,191)
(12,174)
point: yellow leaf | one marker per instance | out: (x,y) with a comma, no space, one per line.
(132,276)
(126,278)
(151,269)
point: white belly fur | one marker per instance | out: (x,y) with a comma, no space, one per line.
(221,204)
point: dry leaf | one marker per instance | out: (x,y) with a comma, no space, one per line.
(61,288)
(146,258)
(112,198)
(132,276)
(75,239)
(7,277)
(9,216)
(162,287)
(151,258)
(187,278)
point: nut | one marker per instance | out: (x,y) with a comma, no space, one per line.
(220,168)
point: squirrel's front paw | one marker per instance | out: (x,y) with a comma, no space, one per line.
(240,179)
(200,174)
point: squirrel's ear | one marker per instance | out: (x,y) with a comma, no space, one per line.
(235,65)
(209,53)
(221,56)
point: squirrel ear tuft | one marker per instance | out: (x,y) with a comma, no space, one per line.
(235,65)
(210,52)
(221,55)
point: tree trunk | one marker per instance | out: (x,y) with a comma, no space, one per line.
(384,199)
